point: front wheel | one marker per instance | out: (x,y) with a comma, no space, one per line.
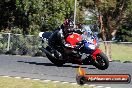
(101,61)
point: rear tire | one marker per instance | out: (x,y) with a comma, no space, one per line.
(55,61)
(101,61)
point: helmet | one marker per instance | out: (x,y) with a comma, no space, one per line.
(68,23)
(68,26)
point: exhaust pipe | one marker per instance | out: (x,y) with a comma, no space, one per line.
(47,52)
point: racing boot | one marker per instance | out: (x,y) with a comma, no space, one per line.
(58,55)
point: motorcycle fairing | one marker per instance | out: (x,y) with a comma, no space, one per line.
(94,54)
(73,39)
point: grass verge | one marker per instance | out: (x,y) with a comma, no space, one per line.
(23,83)
(120,52)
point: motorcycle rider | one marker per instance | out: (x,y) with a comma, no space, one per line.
(57,38)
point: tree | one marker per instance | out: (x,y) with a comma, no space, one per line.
(7,8)
(125,31)
(44,14)
(111,11)
(33,16)
(111,14)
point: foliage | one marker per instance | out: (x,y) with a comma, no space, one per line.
(16,30)
(33,16)
(114,13)
(124,32)
(7,8)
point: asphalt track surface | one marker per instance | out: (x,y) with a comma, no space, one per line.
(42,68)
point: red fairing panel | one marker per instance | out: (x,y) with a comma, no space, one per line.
(97,51)
(73,39)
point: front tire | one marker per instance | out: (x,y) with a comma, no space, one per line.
(101,61)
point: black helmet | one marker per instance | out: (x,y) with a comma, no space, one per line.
(67,26)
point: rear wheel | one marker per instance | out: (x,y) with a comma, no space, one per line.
(101,61)
(54,60)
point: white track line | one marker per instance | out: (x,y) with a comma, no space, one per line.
(46,80)
(56,81)
(92,85)
(27,78)
(107,87)
(74,83)
(99,86)
(36,79)
(17,77)
(65,82)
(6,76)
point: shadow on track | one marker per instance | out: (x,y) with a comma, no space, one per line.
(48,64)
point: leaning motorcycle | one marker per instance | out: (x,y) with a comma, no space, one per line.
(82,53)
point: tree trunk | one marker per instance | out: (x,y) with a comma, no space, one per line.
(107,44)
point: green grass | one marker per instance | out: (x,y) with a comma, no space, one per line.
(22,83)
(120,52)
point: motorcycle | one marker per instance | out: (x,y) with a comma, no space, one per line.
(83,52)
